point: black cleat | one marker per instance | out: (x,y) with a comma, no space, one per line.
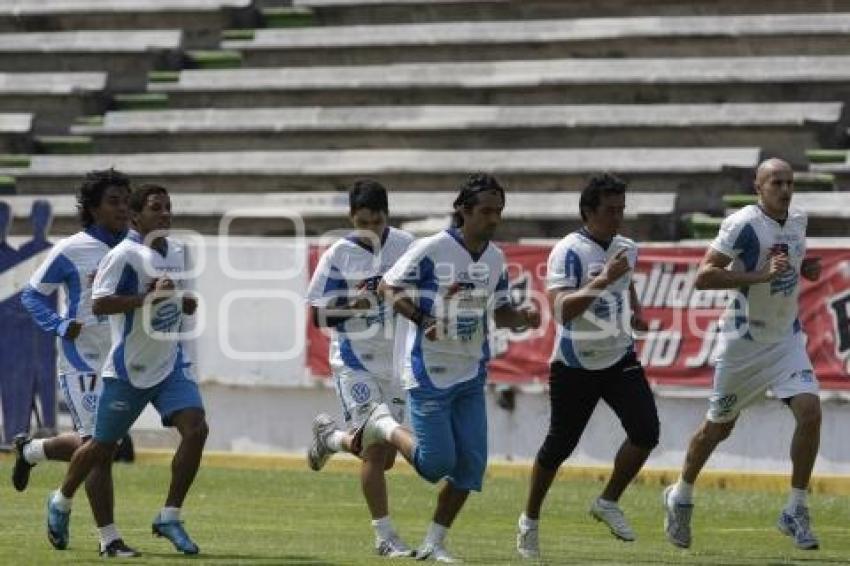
(21,471)
(117,549)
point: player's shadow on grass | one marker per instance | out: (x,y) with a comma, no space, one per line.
(252,558)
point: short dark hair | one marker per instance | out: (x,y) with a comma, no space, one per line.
(368,194)
(141,193)
(597,186)
(468,197)
(90,192)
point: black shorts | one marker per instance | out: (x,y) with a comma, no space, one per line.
(574,393)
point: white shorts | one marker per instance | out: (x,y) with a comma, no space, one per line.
(82,391)
(359,391)
(746,369)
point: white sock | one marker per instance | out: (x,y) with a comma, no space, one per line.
(34,451)
(797,498)
(527,524)
(387,426)
(683,492)
(436,533)
(606,503)
(108,534)
(169,514)
(383,527)
(334,440)
(60,501)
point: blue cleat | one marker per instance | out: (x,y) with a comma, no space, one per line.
(174,531)
(57,525)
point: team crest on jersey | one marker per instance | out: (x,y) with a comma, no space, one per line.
(89,401)
(360,392)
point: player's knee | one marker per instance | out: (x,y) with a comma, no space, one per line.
(555,449)
(645,437)
(436,466)
(808,413)
(196,431)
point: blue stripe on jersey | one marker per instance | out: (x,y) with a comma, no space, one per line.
(62,270)
(572,268)
(346,352)
(426,283)
(748,242)
(127,285)
(567,348)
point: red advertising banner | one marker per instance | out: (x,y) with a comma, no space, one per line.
(683,321)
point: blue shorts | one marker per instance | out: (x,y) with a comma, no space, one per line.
(450,426)
(121,403)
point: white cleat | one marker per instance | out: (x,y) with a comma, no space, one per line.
(393,547)
(436,552)
(677,519)
(527,542)
(613,516)
(798,526)
(319,452)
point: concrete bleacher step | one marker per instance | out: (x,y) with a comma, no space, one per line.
(700,175)
(63,145)
(647,215)
(213,59)
(786,129)
(15,131)
(140,101)
(348,12)
(701,226)
(554,81)
(201,20)
(126,55)
(54,99)
(287,17)
(837,166)
(764,34)
(826,155)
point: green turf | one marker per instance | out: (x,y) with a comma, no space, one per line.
(303,517)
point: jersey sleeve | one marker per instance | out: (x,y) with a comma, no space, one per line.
(57,270)
(728,237)
(328,283)
(413,268)
(564,269)
(114,276)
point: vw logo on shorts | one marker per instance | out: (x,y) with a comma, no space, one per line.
(90,402)
(360,392)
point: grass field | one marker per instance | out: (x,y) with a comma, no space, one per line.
(294,516)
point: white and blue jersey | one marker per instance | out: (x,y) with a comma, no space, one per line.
(137,355)
(72,264)
(601,335)
(460,289)
(361,343)
(764,312)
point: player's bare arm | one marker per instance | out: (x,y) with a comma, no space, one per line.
(712,273)
(400,299)
(517,318)
(639,324)
(568,304)
(362,302)
(114,304)
(811,268)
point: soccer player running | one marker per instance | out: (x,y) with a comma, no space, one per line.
(761,344)
(451,286)
(84,340)
(595,307)
(343,296)
(138,285)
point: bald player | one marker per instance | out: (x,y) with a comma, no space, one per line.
(761,344)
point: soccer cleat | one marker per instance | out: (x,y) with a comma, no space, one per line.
(677,519)
(117,549)
(436,552)
(57,525)
(21,471)
(798,525)
(613,516)
(392,547)
(319,452)
(174,531)
(368,433)
(527,542)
